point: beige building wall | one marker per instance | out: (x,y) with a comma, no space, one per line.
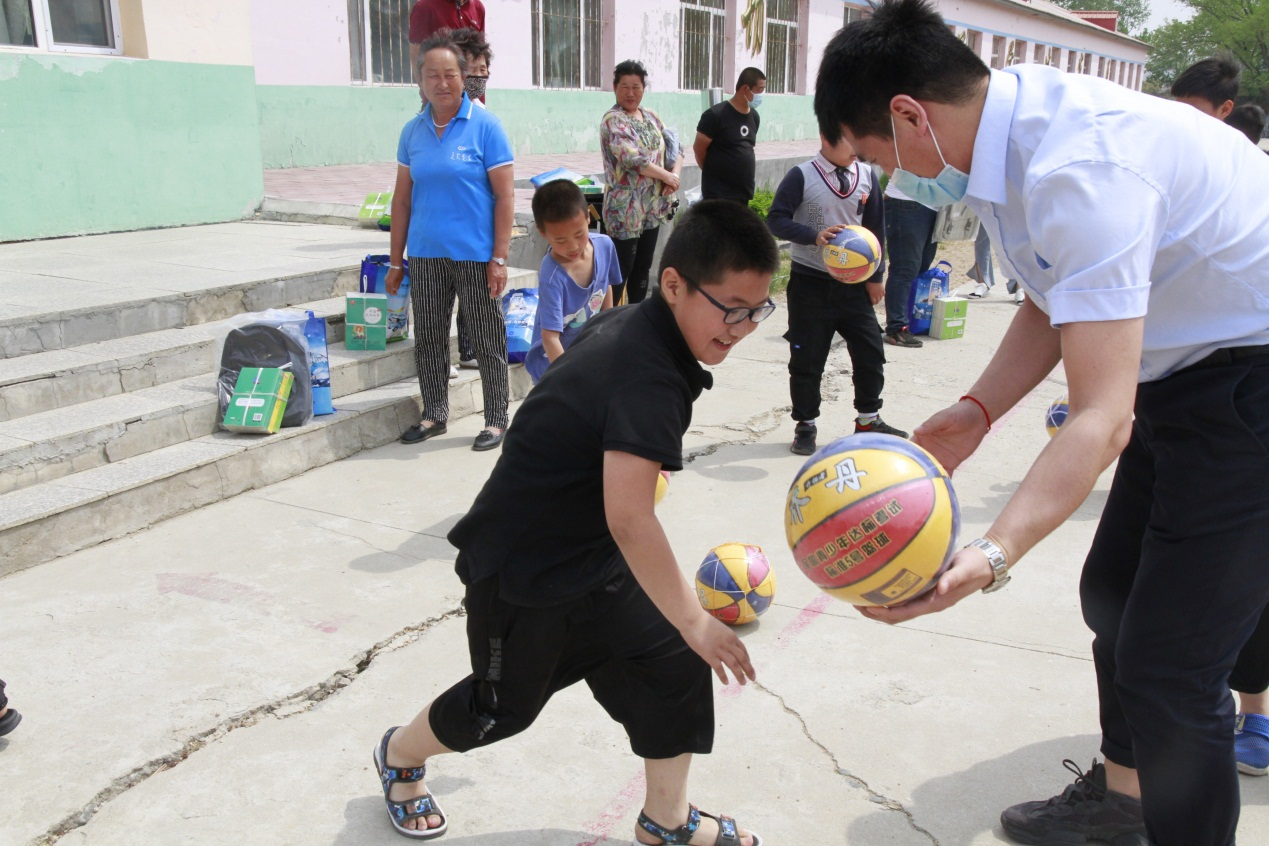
(215,33)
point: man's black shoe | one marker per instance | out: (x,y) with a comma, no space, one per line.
(1085,811)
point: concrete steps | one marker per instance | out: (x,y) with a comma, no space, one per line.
(108,437)
(30,384)
(48,520)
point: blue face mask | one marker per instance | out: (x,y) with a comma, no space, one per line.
(756,101)
(943,190)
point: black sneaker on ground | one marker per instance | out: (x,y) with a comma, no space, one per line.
(1085,811)
(879,426)
(903,338)
(803,439)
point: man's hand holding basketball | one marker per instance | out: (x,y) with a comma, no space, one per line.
(968,573)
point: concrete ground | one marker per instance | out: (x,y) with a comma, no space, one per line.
(222,677)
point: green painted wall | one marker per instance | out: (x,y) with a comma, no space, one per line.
(102,144)
(302,126)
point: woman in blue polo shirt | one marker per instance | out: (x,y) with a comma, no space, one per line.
(455,193)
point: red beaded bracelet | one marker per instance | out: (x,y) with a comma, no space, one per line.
(980,405)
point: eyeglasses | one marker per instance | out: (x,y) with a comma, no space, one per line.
(732,316)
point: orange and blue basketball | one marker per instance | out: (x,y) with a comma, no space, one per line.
(853,255)
(872,519)
(1056,415)
(735,583)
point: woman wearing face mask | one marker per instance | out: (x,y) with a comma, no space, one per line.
(640,189)
(479,56)
(452,212)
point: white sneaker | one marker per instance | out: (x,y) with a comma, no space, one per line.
(469,363)
(980,291)
(1019,296)
(453,372)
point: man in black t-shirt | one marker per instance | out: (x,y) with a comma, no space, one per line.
(725,138)
(568,573)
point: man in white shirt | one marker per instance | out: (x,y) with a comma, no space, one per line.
(1140,231)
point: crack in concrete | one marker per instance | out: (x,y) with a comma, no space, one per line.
(283,708)
(361,540)
(854,780)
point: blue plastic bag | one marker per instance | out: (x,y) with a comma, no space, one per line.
(519,310)
(926,288)
(374,275)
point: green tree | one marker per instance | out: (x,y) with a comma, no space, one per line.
(1240,27)
(1133,14)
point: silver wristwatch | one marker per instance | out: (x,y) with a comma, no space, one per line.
(501,262)
(996,558)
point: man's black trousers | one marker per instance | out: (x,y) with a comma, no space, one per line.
(1174,583)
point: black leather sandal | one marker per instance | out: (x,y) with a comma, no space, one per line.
(681,836)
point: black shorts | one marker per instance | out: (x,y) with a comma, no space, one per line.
(637,665)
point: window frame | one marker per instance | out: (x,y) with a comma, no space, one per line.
(791,47)
(585,58)
(716,13)
(42,30)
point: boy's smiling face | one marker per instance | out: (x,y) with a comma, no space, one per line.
(567,238)
(701,322)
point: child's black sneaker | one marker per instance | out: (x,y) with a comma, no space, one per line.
(879,426)
(1085,811)
(803,439)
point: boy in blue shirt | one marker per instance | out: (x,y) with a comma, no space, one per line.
(815,201)
(577,274)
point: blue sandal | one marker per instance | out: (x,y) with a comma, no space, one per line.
(412,809)
(681,836)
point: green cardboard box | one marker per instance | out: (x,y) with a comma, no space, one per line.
(259,400)
(949,318)
(366,321)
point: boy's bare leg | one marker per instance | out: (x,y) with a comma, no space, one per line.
(666,801)
(1254,703)
(412,746)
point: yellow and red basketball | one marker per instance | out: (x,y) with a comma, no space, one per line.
(735,583)
(853,255)
(872,519)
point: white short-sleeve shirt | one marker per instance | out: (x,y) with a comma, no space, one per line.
(1110,204)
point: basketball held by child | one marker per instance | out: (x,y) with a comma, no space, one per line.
(872,519)
(853,255)
(735,583)
(1056,415)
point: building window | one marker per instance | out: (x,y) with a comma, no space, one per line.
(998,51)
(379,41)
(782,46)
(856,13)
(1072,58)
(1016,54)
(73,26)
(703,23)
(1039,56)
(973,40)
(566,36)
(1055,58)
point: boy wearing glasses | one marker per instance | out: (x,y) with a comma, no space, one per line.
(815,201)
(583,584)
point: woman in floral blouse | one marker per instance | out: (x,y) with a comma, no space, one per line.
(640,189)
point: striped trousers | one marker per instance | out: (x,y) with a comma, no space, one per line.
(434,282)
